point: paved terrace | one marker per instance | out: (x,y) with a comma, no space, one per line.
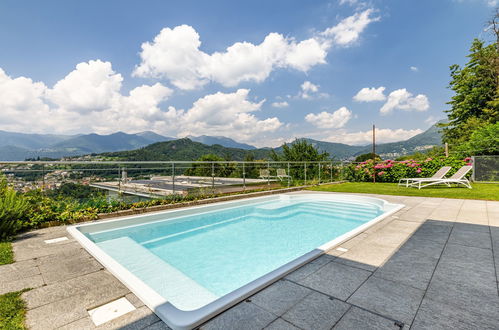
(433,265)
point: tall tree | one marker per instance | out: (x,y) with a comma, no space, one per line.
(476,87)
(476,99)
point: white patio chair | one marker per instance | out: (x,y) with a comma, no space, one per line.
(438,175)
(281,174)
(457,178)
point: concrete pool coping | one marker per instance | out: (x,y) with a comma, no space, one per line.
(377,288)
(185,320)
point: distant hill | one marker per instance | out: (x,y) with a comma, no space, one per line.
(339,151)
(19,146)
(221,140)
(95,143)
(30,141)
(151,146)
(183,149)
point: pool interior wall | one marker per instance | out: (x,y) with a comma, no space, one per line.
(190,264)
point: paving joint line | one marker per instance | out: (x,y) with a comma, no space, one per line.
(349,303)
(432,274)
(492,248)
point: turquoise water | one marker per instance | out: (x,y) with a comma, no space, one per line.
(193,260)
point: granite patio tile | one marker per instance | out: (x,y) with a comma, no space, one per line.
(337,280)
(244,316)
(280,296)
(470,238)
(389,298)
(316,312)
(433,315)
(360,319)
(280,324)
(410,268)
(309,268)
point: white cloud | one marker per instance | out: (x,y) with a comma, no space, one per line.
(89,100)
(403,100)
(228,114)
(325,119)
(348,2)
(92,86)
(349,29)
(307,88)
(414,69)
(21,99)
(383,135)
(175,54)
(370,94)
(282,104)
(310,91)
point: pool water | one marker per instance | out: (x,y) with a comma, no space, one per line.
(193,260)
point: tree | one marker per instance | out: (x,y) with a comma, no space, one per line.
(205,169)
(476,98)
(476,87)
(483,141)
(364,157)
(301,151)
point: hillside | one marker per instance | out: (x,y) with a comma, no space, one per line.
(339,151)
(95,143)
(221,140)
(183,149)
(19,146)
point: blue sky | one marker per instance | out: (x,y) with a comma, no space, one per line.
(292,68)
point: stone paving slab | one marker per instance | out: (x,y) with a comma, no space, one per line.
(280,324)
(437,316)
(244,316)
(336,280)
(386,297)
(310,268)
(360,319)
(280,297)
(316,312)
(439,249)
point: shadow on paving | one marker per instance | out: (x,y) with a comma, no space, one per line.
(443,277)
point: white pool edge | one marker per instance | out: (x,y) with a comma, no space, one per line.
(185,320)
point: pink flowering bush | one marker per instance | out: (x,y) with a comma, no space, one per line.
(392,171)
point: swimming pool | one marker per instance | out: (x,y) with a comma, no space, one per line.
(190,264)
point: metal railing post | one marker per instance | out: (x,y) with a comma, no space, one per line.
(213,177)
(319,173)
(244,177)
(173,178)
(268,176)
(305,172)
(289,176)
(473,168)
(331,172)
(43,178)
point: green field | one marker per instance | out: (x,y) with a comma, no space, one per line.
(486,191)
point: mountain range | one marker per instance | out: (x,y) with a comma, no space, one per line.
(20,146)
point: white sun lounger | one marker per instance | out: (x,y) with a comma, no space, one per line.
(457,178)
(438,175)
(281,174)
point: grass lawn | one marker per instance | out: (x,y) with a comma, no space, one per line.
(487,191)
(6,254)
(12,311)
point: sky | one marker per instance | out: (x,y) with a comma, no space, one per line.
(260,72)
